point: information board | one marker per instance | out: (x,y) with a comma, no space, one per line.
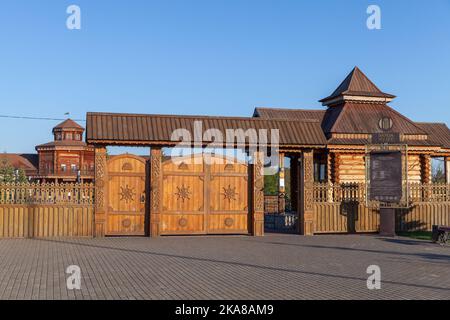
(386,176)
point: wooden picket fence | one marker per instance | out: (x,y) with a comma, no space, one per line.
(341,208)
(30,210)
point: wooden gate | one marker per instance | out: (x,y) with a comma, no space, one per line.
(205,196)
(125,214)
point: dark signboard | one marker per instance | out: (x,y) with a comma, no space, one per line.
(385,137)
(386,176)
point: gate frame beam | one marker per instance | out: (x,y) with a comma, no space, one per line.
(101,173)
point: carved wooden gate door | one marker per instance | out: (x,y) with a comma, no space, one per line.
(204,197)
(126,196)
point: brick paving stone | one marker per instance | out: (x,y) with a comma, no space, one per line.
(220,267)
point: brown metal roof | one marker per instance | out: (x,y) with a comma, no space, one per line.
(68,124)
(357,84)
(62,143)
(365,117)
(293,114)
(438,133)
(28,162)
(144,129)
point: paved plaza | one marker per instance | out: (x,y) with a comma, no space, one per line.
(225,267)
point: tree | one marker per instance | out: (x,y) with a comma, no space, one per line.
(438,170)
(21,176)
(6,171)
(438,175)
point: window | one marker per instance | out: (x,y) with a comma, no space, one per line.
(438,170)
(69,136)
(63,168)
(73,167)
(58,136)
(320,168)
(319,172)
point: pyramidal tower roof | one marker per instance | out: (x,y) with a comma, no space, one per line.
(357,87)
(68,124)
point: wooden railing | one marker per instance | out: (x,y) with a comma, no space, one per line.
(433,192)
(345,192)
(47,193)
(356,192)
(68,172)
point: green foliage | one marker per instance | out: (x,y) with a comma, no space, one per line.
(8,174)
(420,235)
(271,185)
(6,170)
(21,177)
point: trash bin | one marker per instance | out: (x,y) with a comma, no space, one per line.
(435,233)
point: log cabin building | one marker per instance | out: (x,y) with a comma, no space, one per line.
(326,148)
(356,111)
(67,158)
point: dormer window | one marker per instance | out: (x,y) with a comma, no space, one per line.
(77,137)
(69,136)
(58,136)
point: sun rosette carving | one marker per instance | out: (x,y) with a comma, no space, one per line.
(126,193)
(183,193)
(229,193)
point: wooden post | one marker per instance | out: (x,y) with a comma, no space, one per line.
(155,191)
(330,177)
(281,186)
(387,222)
(307,215)
(101,173)
(257,214)
(447,169)
(294,183)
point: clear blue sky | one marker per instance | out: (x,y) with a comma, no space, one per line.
(215,57)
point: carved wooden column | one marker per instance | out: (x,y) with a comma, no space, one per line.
(330,177)
(155,191)
(307,216)
(258,194)
(281,185)
(101,174)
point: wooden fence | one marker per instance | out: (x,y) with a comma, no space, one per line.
(347,192)
(46,210)
(342,208)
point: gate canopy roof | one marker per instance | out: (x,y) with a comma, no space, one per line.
(145,129)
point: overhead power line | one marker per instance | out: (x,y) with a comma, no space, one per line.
(37,118)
